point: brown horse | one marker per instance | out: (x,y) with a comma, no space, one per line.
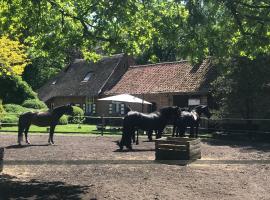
(49,118)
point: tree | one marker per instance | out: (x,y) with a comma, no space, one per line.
(13,58)
(241,87)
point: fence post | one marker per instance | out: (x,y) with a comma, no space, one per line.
(102,124)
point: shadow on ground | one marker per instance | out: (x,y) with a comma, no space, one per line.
(245,144)
(16,146)
(13,189)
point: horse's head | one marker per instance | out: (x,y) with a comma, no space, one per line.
(204,110)
(172,112)
(69,109)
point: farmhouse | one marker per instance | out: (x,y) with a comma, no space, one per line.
(162,84)
(167,84)
(83,82)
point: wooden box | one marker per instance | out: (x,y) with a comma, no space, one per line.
(177,148)
(1,158)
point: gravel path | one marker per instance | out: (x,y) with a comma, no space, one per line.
(83,178)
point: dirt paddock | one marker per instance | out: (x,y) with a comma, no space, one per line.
(43,174)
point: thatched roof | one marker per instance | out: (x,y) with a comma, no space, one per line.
(69,82)
(173,77)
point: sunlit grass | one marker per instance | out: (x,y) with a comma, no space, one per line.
(70,128)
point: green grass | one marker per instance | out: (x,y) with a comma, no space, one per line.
(70,128)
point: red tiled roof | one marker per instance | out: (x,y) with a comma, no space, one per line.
(175,77)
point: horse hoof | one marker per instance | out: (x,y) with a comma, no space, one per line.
(137,143)
(119,145)
(27,142)
(129,148)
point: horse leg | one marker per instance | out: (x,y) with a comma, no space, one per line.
(149,135)
(134,136)
(174,130)
(158,134)
(20,133)
(196,130)
(123,140)
(26,133)
(137,140)
(191,135)
(129,138)
(50,141)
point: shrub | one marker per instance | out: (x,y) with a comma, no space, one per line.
(2,111)
(10,119)
(34,103)
(63,120)
(78,115)
(14,108)
(15,90)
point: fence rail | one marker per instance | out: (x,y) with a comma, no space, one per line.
(213,126)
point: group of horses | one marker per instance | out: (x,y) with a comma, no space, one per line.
(155,121)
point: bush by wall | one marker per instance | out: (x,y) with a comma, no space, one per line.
(78,115)
(34,103)
(63,120)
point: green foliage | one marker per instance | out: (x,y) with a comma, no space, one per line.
(12,57)
(241,89)
(63,120)
(34,103)
(14,90)
(78,115)
(10,119)
(155,30)
(15,109)
(12,113)
(2,110)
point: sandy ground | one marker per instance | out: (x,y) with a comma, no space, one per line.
(88,167)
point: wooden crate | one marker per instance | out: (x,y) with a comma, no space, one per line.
(1,158)
(176,148)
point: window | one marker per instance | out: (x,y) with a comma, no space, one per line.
(194,102)
(116,108)
(90,108)
(87,76)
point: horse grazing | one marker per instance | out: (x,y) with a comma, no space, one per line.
(49,118)
(148,122)
(191,119)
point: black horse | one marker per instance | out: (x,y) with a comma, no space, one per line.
(49,118)
(148,122)
(191,119)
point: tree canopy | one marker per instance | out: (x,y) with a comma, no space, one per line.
(57,31)
(156,30)
(13,58)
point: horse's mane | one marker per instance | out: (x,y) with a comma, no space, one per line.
(57,109)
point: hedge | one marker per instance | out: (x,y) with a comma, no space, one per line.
(34,103)
(78,115)
(63,120)
(10,119)
(14,108)
(15,90)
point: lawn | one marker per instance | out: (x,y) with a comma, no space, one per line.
(70,128)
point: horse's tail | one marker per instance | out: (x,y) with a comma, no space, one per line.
(127,132)
(21,128)
(22,122)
